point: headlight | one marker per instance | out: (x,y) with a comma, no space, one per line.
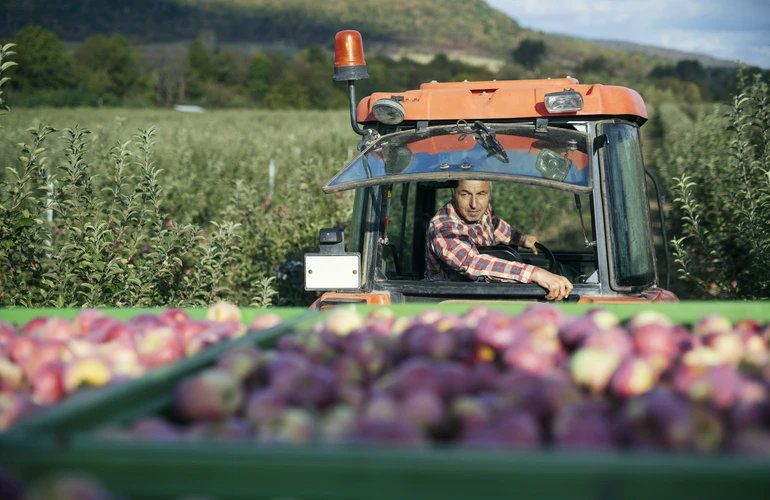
(566,101)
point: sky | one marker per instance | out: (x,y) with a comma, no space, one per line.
(731,30)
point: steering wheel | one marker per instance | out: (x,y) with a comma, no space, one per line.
(508,252)
(552,264)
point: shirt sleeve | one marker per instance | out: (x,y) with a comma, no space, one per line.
(505,234)
(457,250)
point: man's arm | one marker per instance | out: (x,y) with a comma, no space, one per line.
(456,250)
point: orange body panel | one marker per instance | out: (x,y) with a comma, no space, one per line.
(505,99)
(372,299)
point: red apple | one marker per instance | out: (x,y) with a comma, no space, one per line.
(172,316)
(8,332)
(423,409)
(21,348)
(33,325)
(212,394)
(634,377)
(85,319)
(47,385)
(527,357)
(264,321)
(712,323)
(14,407)
(45,352)
(613,339)
(56,328)
(159,346)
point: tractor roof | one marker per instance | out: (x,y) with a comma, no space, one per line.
(505,99)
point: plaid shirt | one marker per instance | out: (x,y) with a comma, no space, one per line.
(453,241)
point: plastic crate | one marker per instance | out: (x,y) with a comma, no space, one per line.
(63,440)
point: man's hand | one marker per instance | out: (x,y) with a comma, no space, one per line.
(529,242)
(558,287)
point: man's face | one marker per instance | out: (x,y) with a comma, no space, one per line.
(471,199)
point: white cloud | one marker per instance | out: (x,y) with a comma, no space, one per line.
(736,30)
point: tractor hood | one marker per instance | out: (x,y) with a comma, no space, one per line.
(557,157)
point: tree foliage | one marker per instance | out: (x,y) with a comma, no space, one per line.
(716,163)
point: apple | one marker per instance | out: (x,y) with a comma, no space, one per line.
(593,368)
(89,372)
(47,385)
(45,352)
(55,328)
(634,377)
(423,409)
(155,429)
(21,348)
(296,426)
(264,321)
(576,330)
(314,388)
(342,320)
(613,339)
(203,340)
(172,316)
(8,332)
(243,362)
(585,425)
(144,322)
(648,317)
(10,374)
(381,407)
(337,422)
(212,394)
(471,411)
(728,344)
(498,331)
(15,407)
(657,343)
(525,356)
(224,311)
(415,374)
(264,407)
(33,324)
(712,323)
(84,320)
(159,346)
(189,328)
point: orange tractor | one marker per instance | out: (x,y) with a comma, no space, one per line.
(565,160)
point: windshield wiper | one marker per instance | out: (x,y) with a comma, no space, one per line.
(485,136)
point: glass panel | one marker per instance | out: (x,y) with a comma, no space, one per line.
(555,155)
(628,208)
(550,214)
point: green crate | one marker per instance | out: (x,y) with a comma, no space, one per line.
(62,440)
(145,394)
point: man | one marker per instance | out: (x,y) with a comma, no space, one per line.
(468,222)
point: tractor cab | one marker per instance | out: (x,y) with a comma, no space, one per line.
(564,161)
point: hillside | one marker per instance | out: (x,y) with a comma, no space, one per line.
(435,24)
(468,30)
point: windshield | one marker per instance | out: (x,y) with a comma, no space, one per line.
(555,157)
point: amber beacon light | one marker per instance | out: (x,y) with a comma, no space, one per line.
(349,61)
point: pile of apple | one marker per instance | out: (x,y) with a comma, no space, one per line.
(50,358)
(487,379)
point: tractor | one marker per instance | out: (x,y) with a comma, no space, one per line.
(564,160)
